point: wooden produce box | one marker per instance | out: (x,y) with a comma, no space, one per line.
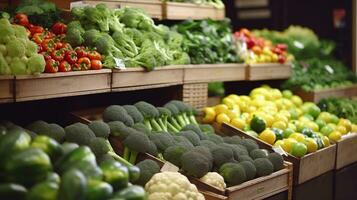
(183,11)
(205,73)
(6,89)
(212,196)
(316,96)
(152,7)
(346,151)
(62,84)
(306,167)
(138,78)
(268,71)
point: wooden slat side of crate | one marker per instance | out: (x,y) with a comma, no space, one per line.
(316,96)
(212,196)
(45,86)
(268,71)
(6,89)
(88,115)
(346,151)
(138,77)
(205,73)
(183,11)
(306,167)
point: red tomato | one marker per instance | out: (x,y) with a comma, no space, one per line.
(38,38)
(71,57)
(21,19)
(51,66)
(59,28)
(283,47)
(84,63)
(64,66)
(58,55)
(81,52)
(48,45)
(36,29)
(96,64)
(94,55)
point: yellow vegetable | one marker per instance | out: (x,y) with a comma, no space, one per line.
(210,115)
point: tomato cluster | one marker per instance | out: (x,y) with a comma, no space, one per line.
(59,55)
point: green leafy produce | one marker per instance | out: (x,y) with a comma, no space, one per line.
(342,107)
(148,168)
(233,173)
(208,41)
(40,12)
(264,166)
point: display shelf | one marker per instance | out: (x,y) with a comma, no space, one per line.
(183,11)
(62,84)
(138,78)
(306,167)
(6,89)
(205,73)
(346,150)
(316,96)
(152,7)
(268,71)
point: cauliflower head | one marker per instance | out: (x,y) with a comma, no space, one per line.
(214,179)
(171,186)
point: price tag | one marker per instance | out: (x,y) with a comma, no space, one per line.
(169,167)
(78,4)
(298,44)
(119,63)
(329,69)
(279,150)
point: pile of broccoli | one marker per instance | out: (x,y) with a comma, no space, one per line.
(18,54)
(128,34)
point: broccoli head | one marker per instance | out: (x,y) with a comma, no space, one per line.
(245,158)
(91,37)
(150,113)
(98,15)
(182,141)
(264,166)
(53,131)
(141,127)
(99,146)
(250,144)
(148,168)
(117,113)
(174,153)
(196,129)
(233,173)
(215,138)
(74,37)
(119,129)
(258,153)
(249,168)
(195,164)
(233,139)
(209,144)
(206,128)
(277,161)
(134,113)
(162,141)
(100,129)
(136,142)
(221,155)
(79,133)
(191,136)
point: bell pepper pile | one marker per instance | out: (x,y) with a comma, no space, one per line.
(59,55)
(255,49)
(39,167)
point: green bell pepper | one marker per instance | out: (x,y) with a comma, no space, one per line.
(134,173)
(46,190)
(28,167)
(48,145)
(12,191)
(11,143)
(53,177)
(98,190)
(73,186)
(115,174)
(133,192)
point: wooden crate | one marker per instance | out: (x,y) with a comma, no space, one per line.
(212,196)
(6,89)
(316,96)
(152,7)
(205,73)
(138,78)
(62,84)
(195,94)
(346,150)
(306,167)
(183,11)
(268,71)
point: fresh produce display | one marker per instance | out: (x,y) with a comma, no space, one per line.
(208,41)
(280,119)
(192,147)
(39,167)
(59,55)
(215,3)
(18,54)
(341,107)
(127,34)
(254,49)
(316,74)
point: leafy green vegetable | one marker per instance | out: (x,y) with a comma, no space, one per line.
(342,107)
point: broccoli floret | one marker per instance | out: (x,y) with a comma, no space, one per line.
(182,141)
(258,153)
(119,129)
(174,153)
(91,37)
(209,144)
(215,138)
(36,63)
(196,129)
(195,164)
(135,34)
(39,127)
(150,113)
(221,155)
(141,127)
(56,132)
(148,168)
(75,25)
(134,113)
(104,158)
(191,136)
(277,161)
(164,114)
(77,13)
(264,166)
(249,168)
(235,149)
(250,144)
(174,113)
(136,18)
(183,109)
(74,37)
(100,129)
(245,158)
(206,128)
(233,173)
(233,140)
(79,133)
(99,146)
(117,113)
(136,142)
(162,141)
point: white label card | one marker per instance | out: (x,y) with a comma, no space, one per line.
(279,150)
(169,167)
(78,4)
(119,63)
